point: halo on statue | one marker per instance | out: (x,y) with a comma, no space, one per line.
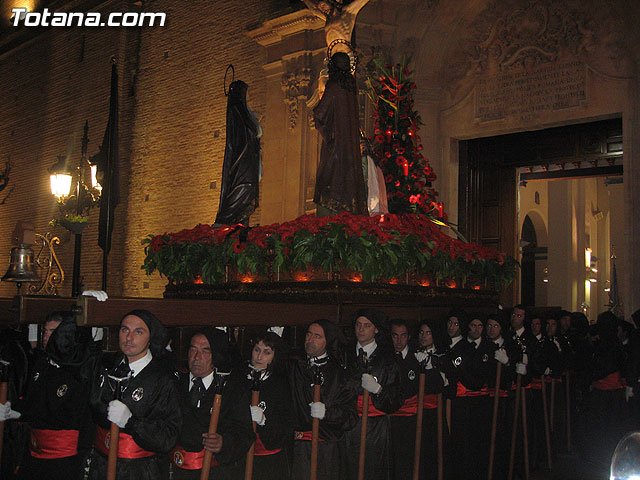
(353,55)
(233,77)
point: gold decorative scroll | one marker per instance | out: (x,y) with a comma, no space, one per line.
(47,260)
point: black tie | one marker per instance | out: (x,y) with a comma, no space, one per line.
(195,394)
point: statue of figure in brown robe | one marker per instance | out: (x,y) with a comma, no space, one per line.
(339,179)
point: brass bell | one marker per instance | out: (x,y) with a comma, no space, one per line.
(21,267)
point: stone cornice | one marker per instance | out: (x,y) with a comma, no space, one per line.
(273,31)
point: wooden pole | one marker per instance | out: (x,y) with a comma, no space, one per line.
(448,413)
(525,438)
(248,467)
(568,393)
(514,432)
(3,400)
(213,427)
(418,442)
(545,414)
(440,440)
(112,459)
(552,408)
(315,430)
(494,423)
(363,432)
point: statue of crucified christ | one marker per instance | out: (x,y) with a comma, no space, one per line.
(339,19)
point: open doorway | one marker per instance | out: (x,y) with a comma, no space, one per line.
(553,199)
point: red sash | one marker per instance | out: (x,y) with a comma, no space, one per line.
(189,460)
(297,435)
(461,391)
(49,444)
(127,447)
(430,400)
(408,408)
(501,393)
(258,448)
(535,384)
(613,381)
(372,411)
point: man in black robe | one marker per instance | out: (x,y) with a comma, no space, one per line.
(242,165)
(371,366)
(339,179)
(336,409)
(148,412)
(209,354)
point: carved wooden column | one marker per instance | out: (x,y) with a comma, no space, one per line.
(295,49)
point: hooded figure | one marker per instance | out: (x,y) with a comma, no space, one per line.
(339,179)
(242,166)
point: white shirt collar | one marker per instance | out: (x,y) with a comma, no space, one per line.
(206,381)
(476,341)
(499,341)
(405,351)
(137,366)
(319,357)
(455,340)
(539,336)
(368,349)
(519,332)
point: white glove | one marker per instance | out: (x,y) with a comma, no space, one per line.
(277,330)
(547,371)
(369,383)
(525,359)
(7,414)
(318,410)
(521,368)
(118,413)
(628,393)
(421,356)
(257,415)
(445,380)
(501,356)
(99,294)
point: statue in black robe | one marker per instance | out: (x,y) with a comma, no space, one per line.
(242,168)
(339,179)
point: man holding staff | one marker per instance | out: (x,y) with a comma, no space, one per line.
(147,414)
(209,354)
(372,368)
(336,410)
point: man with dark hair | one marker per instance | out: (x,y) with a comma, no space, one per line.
(139,396)
(403,421)
(371,366)
(210,356)
(336,410)
(55,406)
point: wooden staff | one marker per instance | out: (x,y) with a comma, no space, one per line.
(121,374)
(363,433)
(525,439)
(315,425)
(418,442)
(4,386)
(363,429)
(514,432)
(440,439)
(546,421)
(248,467)
(213,423)
(448,413)
(553,403)
(568,393)
(494,424)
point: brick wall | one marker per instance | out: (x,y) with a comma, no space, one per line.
(172,124)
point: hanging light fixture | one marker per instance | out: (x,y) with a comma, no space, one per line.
(60,177)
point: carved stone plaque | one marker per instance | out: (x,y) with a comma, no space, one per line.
(526,93)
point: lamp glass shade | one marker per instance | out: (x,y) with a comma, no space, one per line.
(94,178)
(60,184)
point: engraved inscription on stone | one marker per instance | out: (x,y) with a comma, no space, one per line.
(527,93)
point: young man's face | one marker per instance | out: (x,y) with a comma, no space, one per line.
(552,327)
(494,330)
(536,326)
(399,336)
(134,338)
(47,331)
(453,327)
(475,329)
(365,331)
(517,318)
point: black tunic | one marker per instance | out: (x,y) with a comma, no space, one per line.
(340,416)
(234,425)
(154,425)
(384,367)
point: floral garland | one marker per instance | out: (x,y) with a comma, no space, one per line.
(380,247)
